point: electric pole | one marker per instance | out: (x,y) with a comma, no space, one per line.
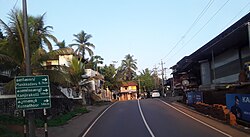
(162,76)
(155,76)
(31,115)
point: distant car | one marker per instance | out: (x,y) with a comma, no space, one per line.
(155,94)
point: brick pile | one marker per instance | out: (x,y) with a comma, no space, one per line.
(217,111)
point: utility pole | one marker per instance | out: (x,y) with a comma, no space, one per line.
(162,76)
(31,115)
(139,86)
(156,75)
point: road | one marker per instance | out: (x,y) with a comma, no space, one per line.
(148,118)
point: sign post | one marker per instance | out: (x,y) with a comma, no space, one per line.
(32,92)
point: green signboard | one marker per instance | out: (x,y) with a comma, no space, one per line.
(32,92)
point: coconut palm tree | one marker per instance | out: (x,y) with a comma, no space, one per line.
(94,61)
(128,67)
(76,72)
(14,45)
(12,53)
(83,45)
(42,33)
(61,45)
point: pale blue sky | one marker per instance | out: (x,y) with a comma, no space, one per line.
(147,29)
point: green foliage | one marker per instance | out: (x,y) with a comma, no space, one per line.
(83,44)
(62,119)
(93,63)
(147,80)
(57,121)
(11,120)
(128,68)
(1,35)
(5,132)
(109,73)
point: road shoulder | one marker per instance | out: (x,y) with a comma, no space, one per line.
(76,126)
(218,124)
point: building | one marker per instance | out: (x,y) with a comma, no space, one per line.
(94,78)
(128,91)
(218,63)
(63,59)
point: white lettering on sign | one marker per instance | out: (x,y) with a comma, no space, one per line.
(246,113)
(26,84)
(245,99)
(25,79)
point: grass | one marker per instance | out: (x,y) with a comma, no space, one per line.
(57,121)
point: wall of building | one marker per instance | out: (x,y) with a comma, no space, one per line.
(50,62)
(220,69)
(227,66)
(65,60)
(205,72)
(129,88)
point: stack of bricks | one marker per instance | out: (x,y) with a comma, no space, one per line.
(217,111)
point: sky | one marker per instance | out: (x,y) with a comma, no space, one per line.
(153,31)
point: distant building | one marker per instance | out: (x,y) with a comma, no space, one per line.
(128,91)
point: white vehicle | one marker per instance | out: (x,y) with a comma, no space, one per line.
(155,94)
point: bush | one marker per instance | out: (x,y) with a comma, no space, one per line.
(11,120)
(5,132)
(62,119)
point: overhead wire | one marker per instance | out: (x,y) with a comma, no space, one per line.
(242,9)
(202,27)
(15,4)
(192,25)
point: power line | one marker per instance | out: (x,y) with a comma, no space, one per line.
(237,14)
(192,25)
(15,4)
(202,27)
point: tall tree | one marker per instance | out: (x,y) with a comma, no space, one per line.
(109,73)
(128,67)
(146,80)
(94,61)
(83,44)
(43,33)
(61,45)
(38,37)
(12,51)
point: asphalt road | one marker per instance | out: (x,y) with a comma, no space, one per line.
(147,118)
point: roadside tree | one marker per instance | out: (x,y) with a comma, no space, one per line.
(83,45)
(128,68)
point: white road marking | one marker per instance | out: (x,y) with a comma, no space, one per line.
(144,120)
(97,120)
(196,119)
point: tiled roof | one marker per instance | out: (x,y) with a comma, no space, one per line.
(129,83)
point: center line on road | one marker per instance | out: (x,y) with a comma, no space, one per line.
(144,120)
(196,119)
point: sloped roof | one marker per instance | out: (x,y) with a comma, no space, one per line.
(129,83)
(235,36)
